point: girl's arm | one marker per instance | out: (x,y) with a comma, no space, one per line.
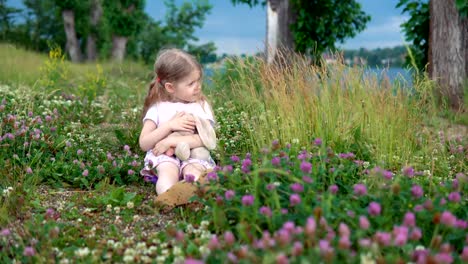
(162,146)
(151,134)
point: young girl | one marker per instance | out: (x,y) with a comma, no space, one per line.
(173,95)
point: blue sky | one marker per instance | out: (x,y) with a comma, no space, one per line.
(240,29)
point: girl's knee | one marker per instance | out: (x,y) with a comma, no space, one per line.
(194,169)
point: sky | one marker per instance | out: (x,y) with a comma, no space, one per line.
(240,29)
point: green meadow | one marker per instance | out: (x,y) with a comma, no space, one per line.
(316,164)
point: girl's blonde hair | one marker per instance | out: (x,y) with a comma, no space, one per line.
(171,65)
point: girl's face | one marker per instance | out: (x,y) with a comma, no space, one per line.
(187,89)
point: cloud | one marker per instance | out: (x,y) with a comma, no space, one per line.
(390,25)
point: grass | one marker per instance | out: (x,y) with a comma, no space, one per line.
(314,163)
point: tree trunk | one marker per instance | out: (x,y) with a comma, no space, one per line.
(448,50)
(72,46)
(95,16)
(279,37)
(119,44)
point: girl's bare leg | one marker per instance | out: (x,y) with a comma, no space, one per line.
(195,169)
(168,175)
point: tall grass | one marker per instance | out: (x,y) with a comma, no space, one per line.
(349,109)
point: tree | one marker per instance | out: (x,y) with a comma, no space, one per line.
(7,15)
(126,20)
(439,32)
(448,49)
(177,30)
(95,17)
(309,26)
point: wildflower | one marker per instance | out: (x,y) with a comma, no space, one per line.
(297,249)
(415,234)
(365,242)
(294,199)
(306,167)
(333,189)
(189,178)
(109,208)
(85,173)
(265,210)
(79,152)
(464,254)
(461,224)
(318,142)
(247,200)
(454,197)
(130,172)
(360,189)
(297,187)
(443,257)
(29,170)
(212,176)
(229,194)
(374,208)
(235,158)
(383,238)
(213,243)
(117,209)
(229,238)
(343,229)
(275,161)
(401,235)
(5,232)
(311,226)
(448,219)
(282,259)
(307,179)
(409,219)
(364,222)
(130,205)
(417,191)
(29,251)
(325,247)
(126,148)
(408,171)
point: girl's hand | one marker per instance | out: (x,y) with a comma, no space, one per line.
(182,122)
(161,147)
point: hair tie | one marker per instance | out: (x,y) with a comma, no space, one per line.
(158,80)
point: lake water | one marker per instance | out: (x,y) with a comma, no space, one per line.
(394,74)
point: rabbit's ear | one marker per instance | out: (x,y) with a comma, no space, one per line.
(206,132)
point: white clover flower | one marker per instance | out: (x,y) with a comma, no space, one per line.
(365,164)
(117,245)
(204,251)
(152,250)
(427,173)
(163,245)
(79,220)
(109,208)
(110,243)
(82,252)
(204,224)
(141,246)
(64,261)
(177,251)
(117,209)
(179,259)
(165,252)
(130,205)
(160,259)
(145,259)
(130,251)
(367,259)
(128,258)
(136,218)
(295,141)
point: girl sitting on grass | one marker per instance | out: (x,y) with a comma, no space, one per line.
(174,95)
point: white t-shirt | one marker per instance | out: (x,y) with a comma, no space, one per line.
(162,112)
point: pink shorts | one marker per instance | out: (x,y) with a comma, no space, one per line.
(152,162)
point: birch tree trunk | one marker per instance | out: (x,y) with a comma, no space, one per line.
(448,50)
(279,37)
(95,15)
(119,44)
(72,46)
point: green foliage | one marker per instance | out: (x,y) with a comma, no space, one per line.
(321,24)
(124,16)
(462,6)
(417,30)
(380,57)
